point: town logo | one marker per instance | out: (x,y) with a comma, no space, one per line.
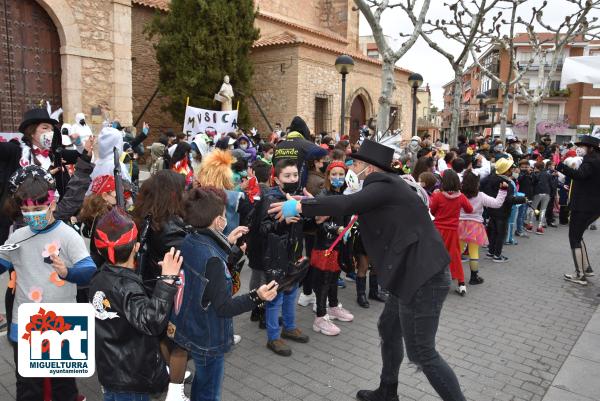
(56,340)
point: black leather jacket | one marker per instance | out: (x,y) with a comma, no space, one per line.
(160,242)
(128,324)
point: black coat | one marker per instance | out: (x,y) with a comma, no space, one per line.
(397,232)
(491,185)
(128,355)
(585,184)
(160,242)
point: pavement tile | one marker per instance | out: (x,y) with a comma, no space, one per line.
(506,340)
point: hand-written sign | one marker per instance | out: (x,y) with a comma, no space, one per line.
(200,120)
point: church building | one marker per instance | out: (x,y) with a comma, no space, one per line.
(92,56)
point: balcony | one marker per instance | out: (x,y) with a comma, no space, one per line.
(425,123)
(536,66)
(492,93)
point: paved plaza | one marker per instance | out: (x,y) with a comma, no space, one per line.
(506,340)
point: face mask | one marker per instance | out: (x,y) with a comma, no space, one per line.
(515,175)
(46,139)
(323,168)
(499,148)
(244,146)
(581,151)
(114,124)
(352,180)
(221,229)
(289,187)
(337,182)
(36,220)
(145,130)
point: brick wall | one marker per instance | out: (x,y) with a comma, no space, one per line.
(577,109)
(145,77)
(274,84)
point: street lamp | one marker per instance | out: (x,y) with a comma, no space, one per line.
(344,65)
(414,81)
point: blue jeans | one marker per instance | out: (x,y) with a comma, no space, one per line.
(417,322)
(286,303)
(120,396)
(208,378)
(522,213)
(512,223)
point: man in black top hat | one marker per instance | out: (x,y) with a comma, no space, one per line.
(411,262)
(584,204)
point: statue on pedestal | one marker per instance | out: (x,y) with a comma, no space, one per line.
(225,95)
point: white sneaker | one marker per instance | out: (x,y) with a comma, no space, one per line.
(176,393)
(305,300)
(325,326)
(461,290)
(236,339)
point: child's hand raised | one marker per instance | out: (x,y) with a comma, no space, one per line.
(503,185)
(171,263)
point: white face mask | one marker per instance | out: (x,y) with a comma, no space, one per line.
(352,180)
(244,146)
(46,139)
(581,151)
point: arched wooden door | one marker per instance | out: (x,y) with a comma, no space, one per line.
(358,117)
(29,61)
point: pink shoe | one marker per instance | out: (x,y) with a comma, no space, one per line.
(324,325)
(340,314)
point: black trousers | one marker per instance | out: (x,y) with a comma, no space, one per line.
(496,231)
(550,211)
(32,388)
(578,223)
(326,289)
(416,322)
(307,283)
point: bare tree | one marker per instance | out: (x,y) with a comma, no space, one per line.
(503,42)
(463,28)
(372,10)
(577,25)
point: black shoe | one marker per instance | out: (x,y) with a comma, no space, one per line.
(588,273)
(383,393)
(377,296)
(361,299)
(262,324)
(552,225)
(475,280)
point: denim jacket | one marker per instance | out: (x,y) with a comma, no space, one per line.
(198,328)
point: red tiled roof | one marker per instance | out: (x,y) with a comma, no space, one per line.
(541,36)
(278,19)
(287,38)
(160,4)
(164,5)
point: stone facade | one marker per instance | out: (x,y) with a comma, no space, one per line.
(145,76)
(109,65)
(95,48)
(294,62)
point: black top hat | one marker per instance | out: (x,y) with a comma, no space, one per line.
(376,154)
(588,140)
(35,116)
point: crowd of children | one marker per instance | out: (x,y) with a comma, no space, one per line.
(163,266)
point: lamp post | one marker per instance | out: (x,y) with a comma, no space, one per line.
(344,65)
(414,81)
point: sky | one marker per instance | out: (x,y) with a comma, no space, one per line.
(435,68)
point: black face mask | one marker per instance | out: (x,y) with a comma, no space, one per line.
(82,122)
(323,168)
(290,187)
